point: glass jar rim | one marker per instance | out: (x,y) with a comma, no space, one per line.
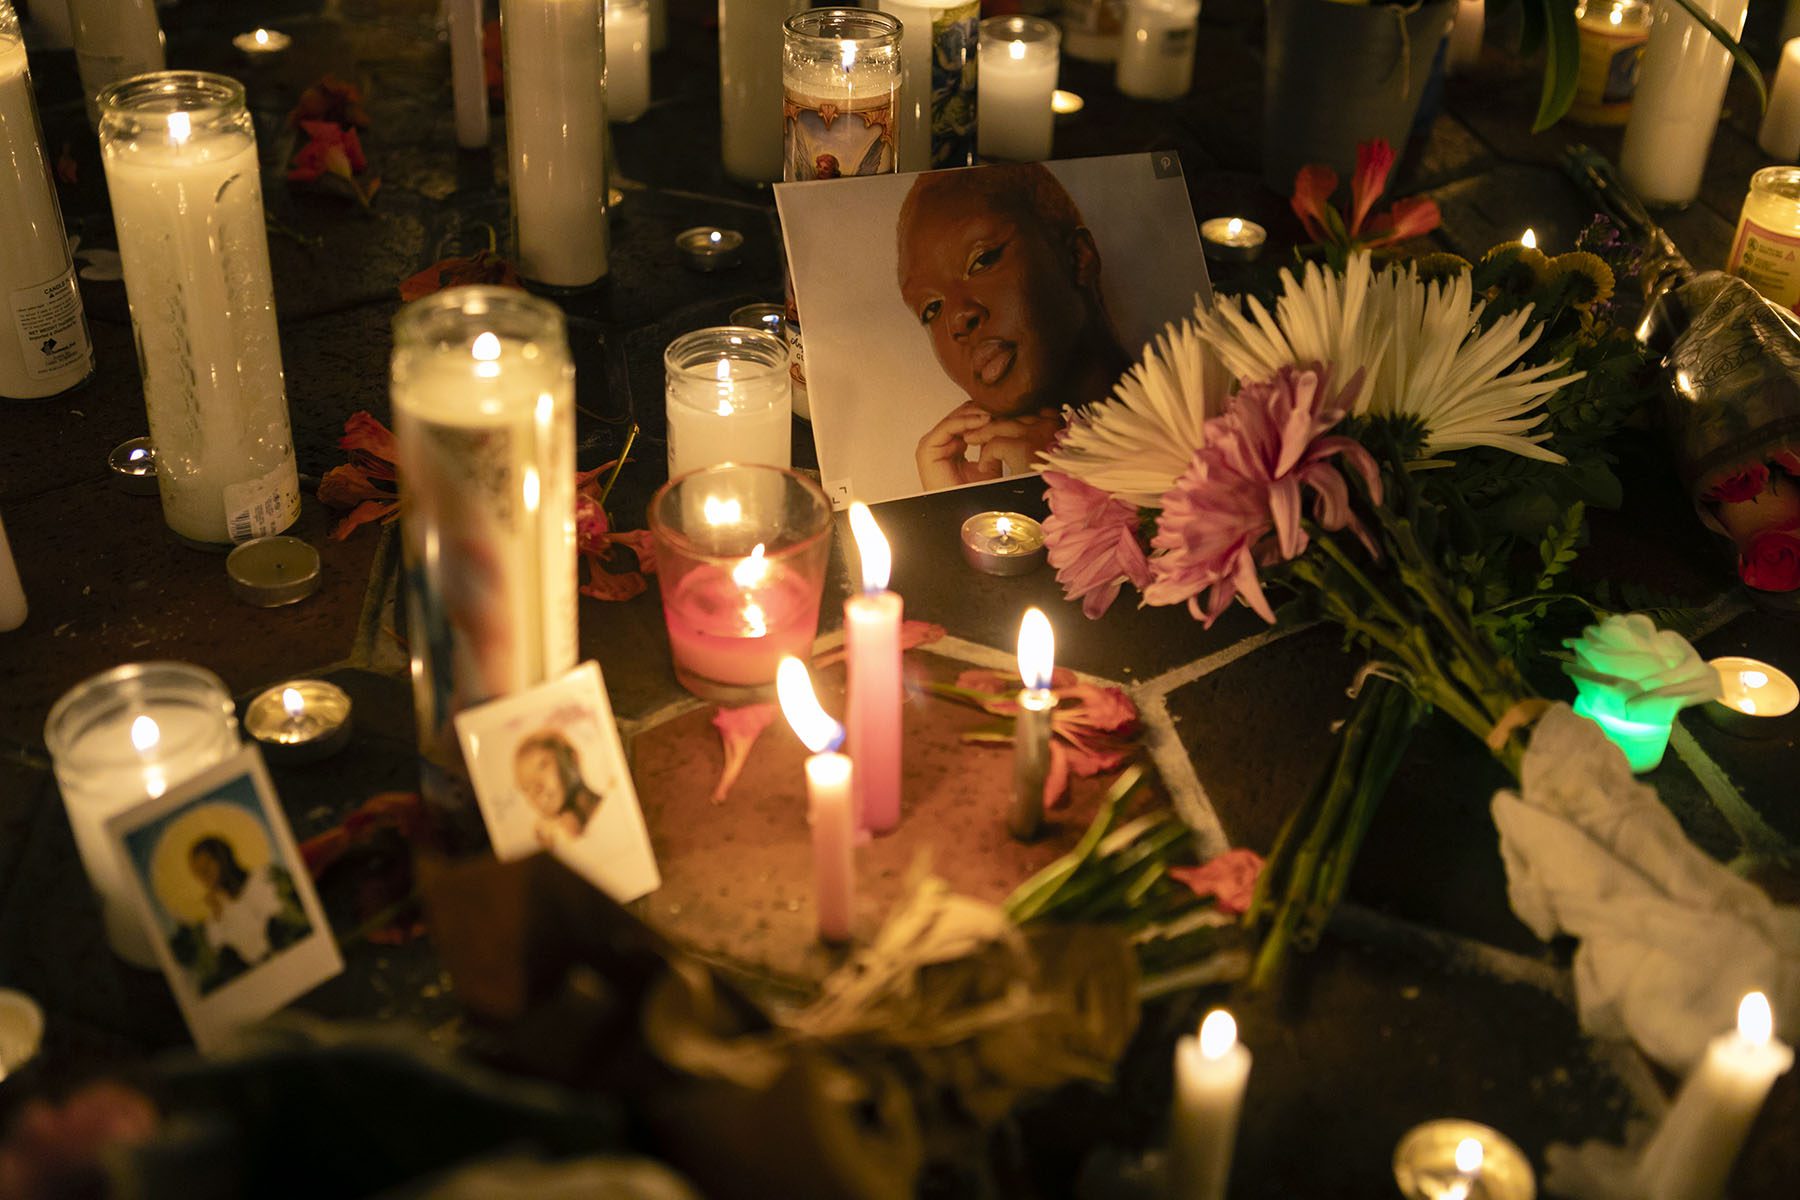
(774,359)
(1779,176)
(160,94)
(871,27)
(61,729)
(1020,27)
(661,530)
(508,313)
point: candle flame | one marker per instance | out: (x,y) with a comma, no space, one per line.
(871,548)
(1754,679)
(1616,16)
(261,36)
(1756,1024)
(848,55)
(756,622)
(145,734)
(722,512)
(751,571)
(532,487)
(486,347)
(1469,1156)
(181,127)
(1017,50)
(137,454)
(800,705)
(1528,239)
(1037,650)
(1234,227)
(293,703)
(1003,527)
(1218,1033)
(715,237)
(1066,103)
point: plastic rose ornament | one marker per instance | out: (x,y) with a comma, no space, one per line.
(1631,678)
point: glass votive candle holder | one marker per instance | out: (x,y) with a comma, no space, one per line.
(1156,49)
(1019,58)
(728,399)
(838,64)
(741,553)
(120,738)
(1767,231)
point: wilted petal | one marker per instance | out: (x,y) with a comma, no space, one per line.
(738,730)
(1373,162)
(1313,186)
(1230,879)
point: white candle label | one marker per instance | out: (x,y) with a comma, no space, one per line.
(1176,43)
(1769,261)
(51,331)
(953,39)
(263,507)
(835,138)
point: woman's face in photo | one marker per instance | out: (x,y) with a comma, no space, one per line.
(539,780)
(205,867)
(1000,299)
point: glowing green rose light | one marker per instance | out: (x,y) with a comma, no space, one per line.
(1632,679)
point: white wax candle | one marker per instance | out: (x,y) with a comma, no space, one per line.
(866,88)
(114,40)
(872,647)
(1790,22)
(188,207)
(44,346)
(1464,49)
(729,411)
(1210,1073)
(51,20)
(468,74)
(831,807)
(627,59)
(12,592)
(1681,87)
(1691,1153)
(659,26)
(1779,136)
(1017,77)
(750,86)
(1031,728)
(1156,49)
(556,138)
(916,86)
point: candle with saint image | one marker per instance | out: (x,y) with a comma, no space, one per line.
(468,75)
(831,811)
(1690,1155)
(1210,1073)
(1031,733)
(872,643)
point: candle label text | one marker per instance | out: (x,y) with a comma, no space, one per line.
(51,329)
(1768,261)
(263,507)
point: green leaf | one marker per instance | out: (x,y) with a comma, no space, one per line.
(1562,60)
(1532,14)
(1724,38)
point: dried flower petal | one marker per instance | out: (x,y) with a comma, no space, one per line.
(1230,879)
(738,729)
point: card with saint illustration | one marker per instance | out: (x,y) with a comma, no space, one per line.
(550,774)
(225,897)
(953,319)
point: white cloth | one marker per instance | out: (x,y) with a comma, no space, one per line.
(243,921)
(1670,939)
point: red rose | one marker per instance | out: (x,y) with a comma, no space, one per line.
(1739,486)
(1771,562)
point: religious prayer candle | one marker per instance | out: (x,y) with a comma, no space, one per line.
(1681,88)
(114,40)
(1031,732)
(1464,46)
(830,808)
(180,155)
(750,133)
(1611,34)
(120,738)
(728,399)
(1019,61)
(1779,136)
(1765,250)
(872,646)
(12,593)
(840,84)
(556,138)
(937,93)
(1210,1073)
(1690,1155)
(468,74)
(484,414)
(1156,49)
(44,348)
(627,59)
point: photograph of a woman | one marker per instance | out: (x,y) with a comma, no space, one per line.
(547,772)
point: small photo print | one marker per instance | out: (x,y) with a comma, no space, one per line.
(225,897)
(550,775)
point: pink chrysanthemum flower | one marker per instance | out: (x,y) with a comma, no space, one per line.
(1092,540)
(1237,507)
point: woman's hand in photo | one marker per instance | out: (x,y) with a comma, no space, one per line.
(941,451)
(1011,446)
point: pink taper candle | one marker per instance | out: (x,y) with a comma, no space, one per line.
(872,643)
(829,805)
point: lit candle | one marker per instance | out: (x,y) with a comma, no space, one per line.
(705,248)
(627,59)
(1232,239)
(12,592)
(1019,60)
(872,645)
(1681,88)
(133,467)
(1453,1159)
(1763,250)
(937,90)
(1031,733)
(1779,135)
(831,810)
(840,88)
(1156,52)
(1691,1153)
(750,86)
(1003,543)
(262,44)
(1464,48)
(300,722)
(1611,34)
(1528,239)
(728,399)
(468,74)
(1210,1073)
(1753,696)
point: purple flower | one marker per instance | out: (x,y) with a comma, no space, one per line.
(1092,541)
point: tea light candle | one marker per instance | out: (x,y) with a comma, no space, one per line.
(1753,696)
(831,811)
(21,1031)
(1018,60)
(133,467)
(273,571)
(735,626)
(1031,732)
(262,45)
(1066,104)
(1156,51)
(1681,88)
(704,248)
(1232,239)
(1002,543)
(468,73)
(1210,1073)
(727,399)
(627,59)
(301,721)
(872,646)
(1461,1160)
(1690,1155)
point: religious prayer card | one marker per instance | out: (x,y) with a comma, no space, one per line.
(952,319)
(550,774)
(225,897)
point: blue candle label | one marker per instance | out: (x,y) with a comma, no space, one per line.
(953,59)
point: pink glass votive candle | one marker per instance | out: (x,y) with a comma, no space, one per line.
(741,555)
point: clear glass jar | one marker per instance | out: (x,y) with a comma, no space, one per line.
(1611,35)
(123,737)
(838,63)
(627,59)
(728,399)
(114,40)
(1020,58)
(180,155)
(1765,250)
(1156,49)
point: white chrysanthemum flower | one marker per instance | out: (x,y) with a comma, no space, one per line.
(1420,344)
(1136,444)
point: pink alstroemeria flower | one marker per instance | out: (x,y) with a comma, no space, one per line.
(1092,541)
(1313,186)
(1412,217)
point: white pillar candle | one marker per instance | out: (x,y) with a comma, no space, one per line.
(1464,49)
(556,138)
(937,95)
(627,59)
(750,86)
(1790,22)
(1019,61)
(1681,87)
(659,26)
(1156,49)
(54,28)
(114,40)
(1210,1073)
(181,166)
(1031,729)
(1779,136)
(830,808)
(1690,1155)
(727,399)
(468,74)
(872,649)
(12,593)
(44,346)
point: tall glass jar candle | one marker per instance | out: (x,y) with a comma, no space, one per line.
(484,412)
(937,93)
(750,86)
(1019,60)
(1765,251)
(1156,51)
(1681,88)
(114,40)
(1612,35)
(180,156)
(627,59)
(728,399)
(123,737)
(840,81)
(44,347)
(556,138)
